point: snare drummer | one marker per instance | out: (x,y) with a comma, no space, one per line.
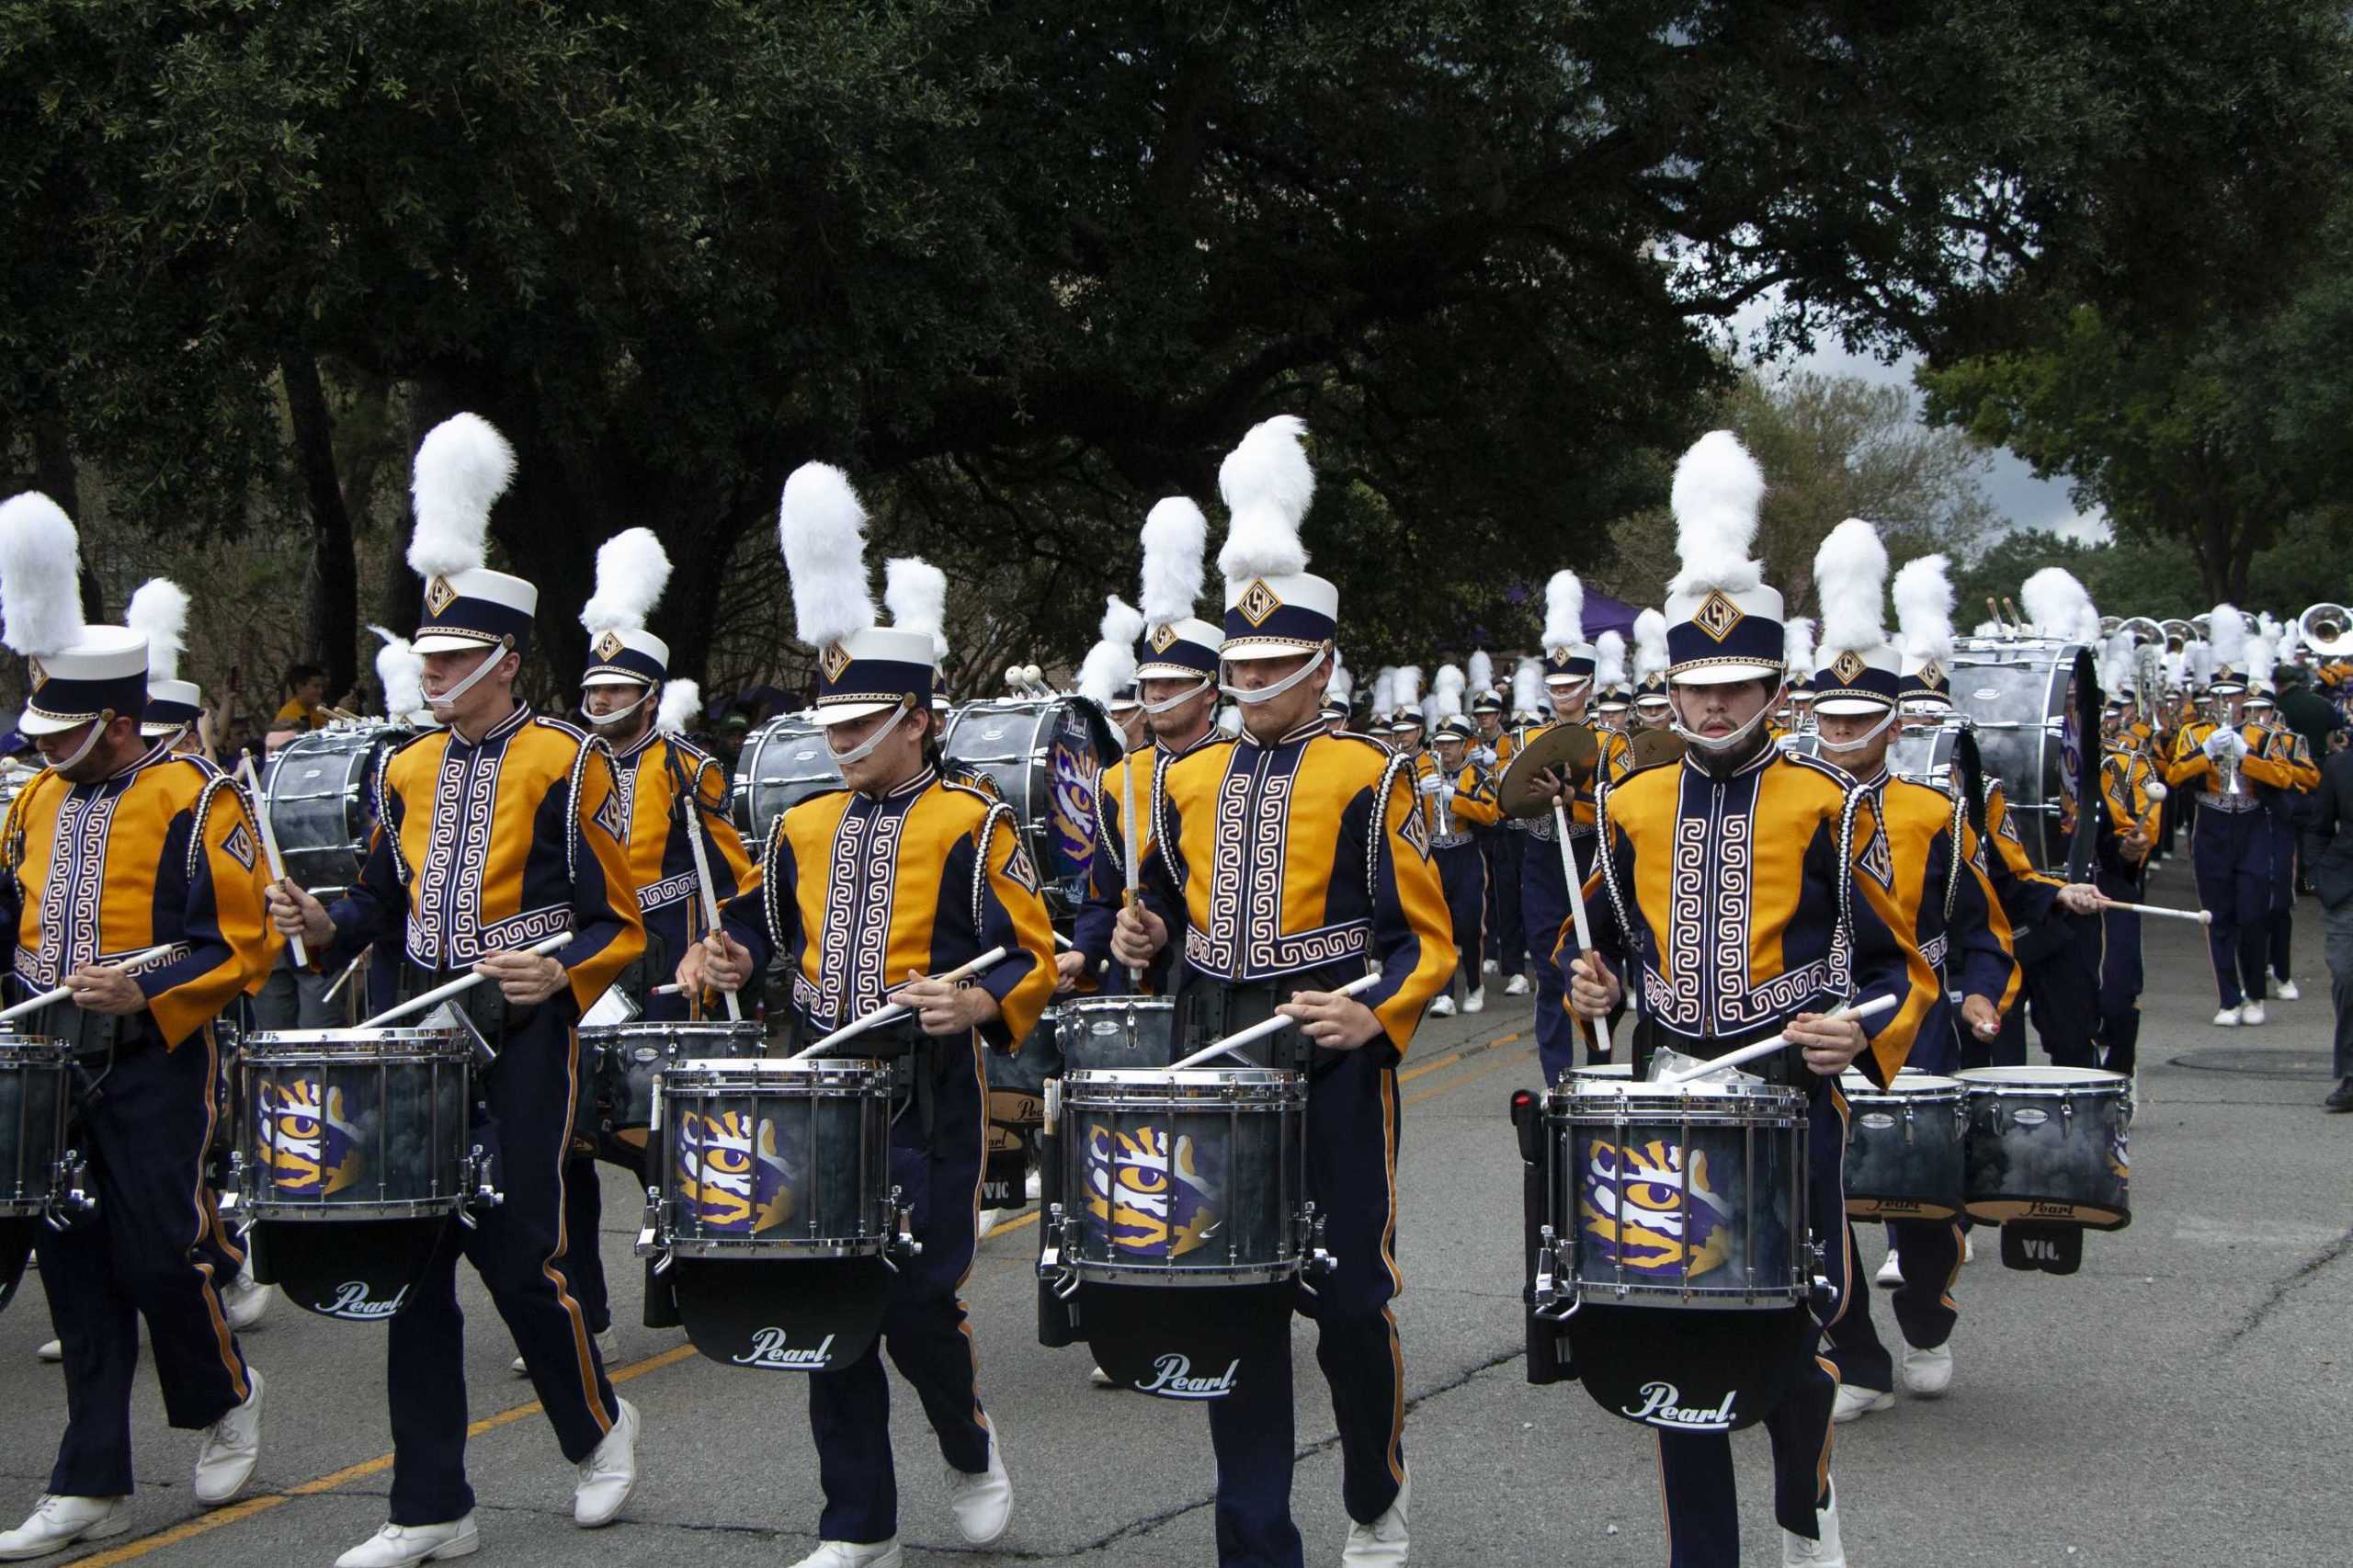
(117,846)
(1342,878)
(1744,938)
(501,829)
(861,890)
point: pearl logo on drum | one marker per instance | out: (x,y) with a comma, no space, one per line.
(770,1354)
(1172,1378)
(351,1301)
(1660,1408)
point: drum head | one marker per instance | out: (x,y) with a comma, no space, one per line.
(1187,1344)
(773,1317)
(1689,1371)
(360,1270)
(15,1245)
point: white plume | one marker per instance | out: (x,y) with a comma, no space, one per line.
(2199,657)
(1650,644)
(1564,611)
(2260,658)
(1110,664)
(1123,622)
(463,466)
(1384,691)
(1608,661)
(1447,704)
(1797,642)
(1481,672)
(631,571)
(41,581)
(1406,688)
(680,705)
(399,670)
(823,529)
(916,592)
(2268,627)
(158,611)
(1718,489)
(1175,536)
(1267,483)
(1527,688)
(2226,629)
(2055,603)
(1986,628)
(1923,602)
(2115,663)
(1851,578)
(1343,683)
(1449,677)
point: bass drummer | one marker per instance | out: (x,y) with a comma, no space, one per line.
(1284,863)
(862,891)
(1774,924)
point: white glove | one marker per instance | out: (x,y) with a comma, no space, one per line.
(2225,743)
(1484,756)
(1432,784)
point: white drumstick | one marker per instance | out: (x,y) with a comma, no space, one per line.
(1577,903)
(1135,871)
(1258,1030)
(443,993)
(34,1004)
(2203,917)
(890,1012)
(1748,1053)
(702,885)
(269,845)
(348,970)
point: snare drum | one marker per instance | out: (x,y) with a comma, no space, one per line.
(1110,1034)
(355,1124)
(1904,1146)
(34,1078)
(776,1160)
(626,1058)
(1689,1195)
(2049,1143)
(1191,1178)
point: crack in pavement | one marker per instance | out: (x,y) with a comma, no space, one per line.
(2281,1289)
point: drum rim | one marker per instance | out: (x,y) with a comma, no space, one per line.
(717,1028)
(34,1049)
(2041,1079)
(1078,1079)
(1083,1004)
(1629,1089)
(1918,1086)
(779,1068)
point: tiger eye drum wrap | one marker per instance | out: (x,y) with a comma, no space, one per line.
(776,1160)
(354,1124)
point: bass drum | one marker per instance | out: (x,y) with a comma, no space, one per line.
(2015,696)
(783,763)
(1925,756)
(318,792)
(1044,756)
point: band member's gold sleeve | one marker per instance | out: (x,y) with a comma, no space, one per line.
(1412,931)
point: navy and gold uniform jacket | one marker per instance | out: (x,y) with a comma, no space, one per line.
(1616,761)
(1309,854)
(2264,766)
(489,847)
(1728,907)
(163,852)
(2125,774)
(1941,882)
(1106,874)
(653,775)
(857,891)
(2028,896)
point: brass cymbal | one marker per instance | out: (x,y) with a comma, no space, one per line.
(1569,750)
(1650,747)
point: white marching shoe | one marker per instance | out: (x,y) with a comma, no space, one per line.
(1383,1542)
(1443,1007)
(608,1473)
(1890,1273)
(2287,992)
(1968,1247)
(2251,1015)
(848,1554)
(57,1523)
(52,1350)
(983,1503)
(245,1299)
(398,1546)
(232,1446)
(1854,1401)
(2228,1019)
(1925,1374)
(1828,1551)
(1516,987)
(1476,1001)
(605,1347)
(1099,1378)
(1490,966)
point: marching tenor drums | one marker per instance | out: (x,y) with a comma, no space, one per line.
(783,762)
(2049,1144)
(1904,1146)
(625,1060)
(1111,1033)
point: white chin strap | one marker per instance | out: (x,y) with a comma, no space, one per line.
(449,699)
(1269,693)
(1155,710)
(1859,742)
(864,748)
(607,721)
(89,743)
(1716,745)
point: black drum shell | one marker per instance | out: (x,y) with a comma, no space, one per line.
(1904,1153)
(796,1158)
(355,1124)
(2049,1144)
(36,1075)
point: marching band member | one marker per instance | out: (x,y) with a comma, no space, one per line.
(2133,795)
(1797,658)
(862,891)
(2282,809)
(1407,724)
(504,828)
(1505,844)
(1458,798)
(119,845)
(1343,878)
(1613,702)
(1744,939)
(1947,907)
(1127,715)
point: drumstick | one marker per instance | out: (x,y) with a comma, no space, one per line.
(890,1012)
(1135,875)
(2203,917)
(34,1004)
(670,990)
(1747,1053)
(463,983)
(269,845)
(348,970)
(1576,903)
(1258,1030)
(702,886)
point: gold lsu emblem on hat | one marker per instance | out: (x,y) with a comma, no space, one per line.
(439,594)
(608,646)
(39,672)
(1932,673)
(1848,666)
(834,661)
(1162,636)
(1717,614)
(1257,602)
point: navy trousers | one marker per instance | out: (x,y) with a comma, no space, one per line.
(2279,928)
(1352,1130)
(525,1253)
(1463,872)
(923,1324)
(2230,854)
(1507,847)
(1696,1478)
(1544,901)
(2120,979)
(2061,994)
(1928,1256)
(154,1249)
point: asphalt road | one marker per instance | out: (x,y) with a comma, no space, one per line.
(2183,1399)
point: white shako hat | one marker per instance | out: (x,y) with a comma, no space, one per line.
(1650,660)
(1855,669)
(1612,694)
(2227,639)
(1274,607)
(1924,601)
(463,465)
(1174,643)
(1722,623)
(158,611)
(862,668)
(77,672)
(1405,700)
(1568,657)
(1110,667)
(631,571)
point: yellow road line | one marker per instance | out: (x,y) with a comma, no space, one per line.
(204,1523)
(1497,1065)
(1410,1074)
